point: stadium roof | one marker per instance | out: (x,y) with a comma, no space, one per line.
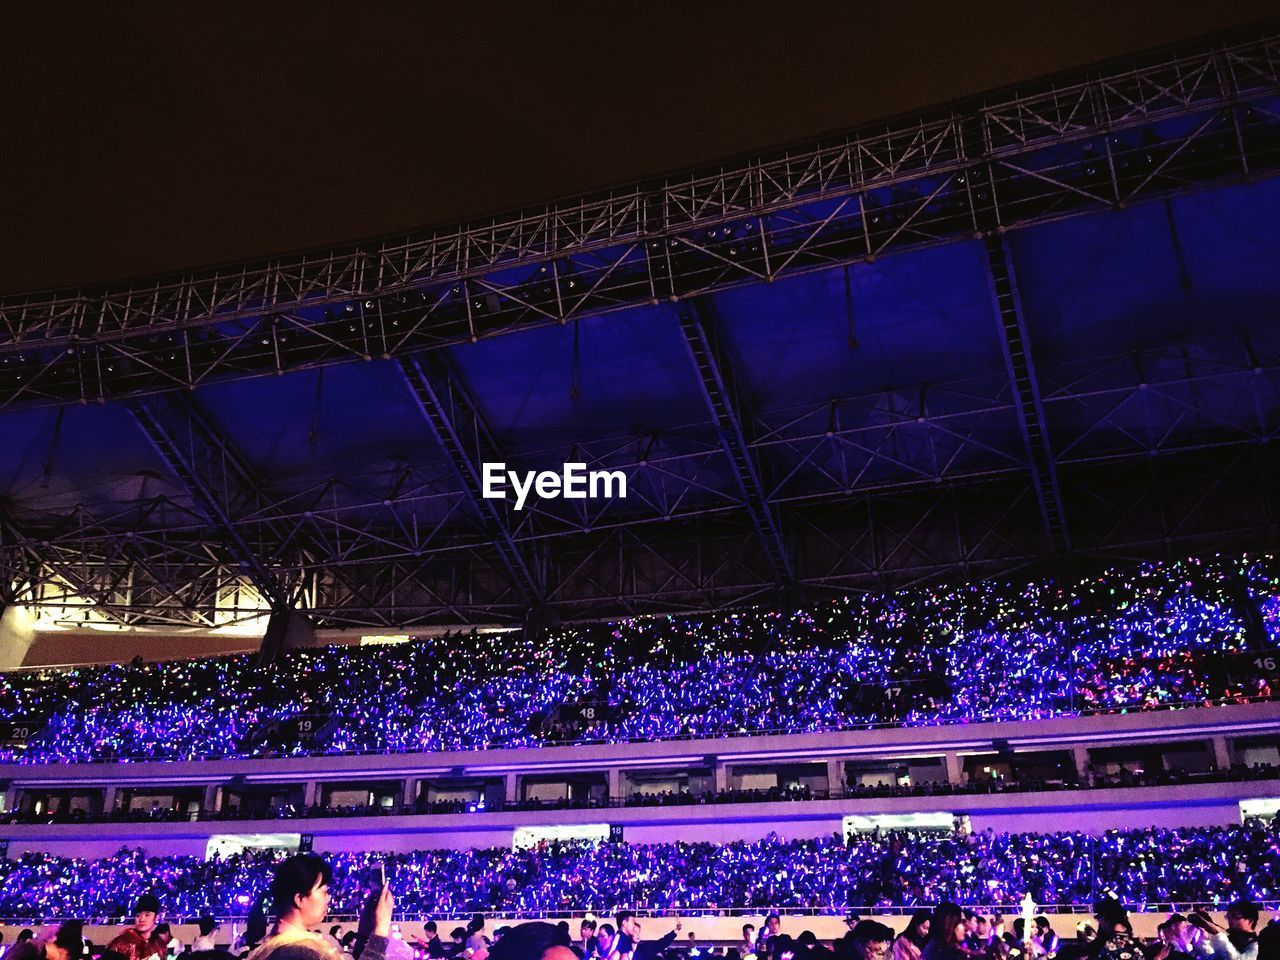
(1031,326)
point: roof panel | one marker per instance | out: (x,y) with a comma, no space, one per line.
(915,318)
(96,458)
(633,376)
(1193,266)
(351,418)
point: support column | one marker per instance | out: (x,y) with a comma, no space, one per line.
(614,779)
(1221,753)
(210,802)
(835,777)
(512,785)
(109,795)
(721,776)
(17,633)
(311,793)
(1080,754)
(955,769)
(409,795)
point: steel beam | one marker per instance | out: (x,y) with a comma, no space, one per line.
(1111,138)
(372,565)
(215,475)
(15,578)
(729,413)
(1016,345)
(713,560)
(1093,391)
(461,430)
(85,581)
(156,576)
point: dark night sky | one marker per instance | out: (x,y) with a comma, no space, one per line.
(149,138)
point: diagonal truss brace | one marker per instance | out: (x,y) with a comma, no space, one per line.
(728,412)
(24,566)
(13,580)
(1003,284)
(213,473)
(461,430)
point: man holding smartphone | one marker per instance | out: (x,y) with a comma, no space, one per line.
(1239,941)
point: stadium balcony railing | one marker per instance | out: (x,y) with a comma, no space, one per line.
(1009,910)
(649,801)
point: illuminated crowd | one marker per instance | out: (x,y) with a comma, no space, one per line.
(1156,635)
(1143,868)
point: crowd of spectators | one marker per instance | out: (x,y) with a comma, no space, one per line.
(288,923)
(1157,635)
(1141,867)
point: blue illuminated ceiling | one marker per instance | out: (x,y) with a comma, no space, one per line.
(864,340)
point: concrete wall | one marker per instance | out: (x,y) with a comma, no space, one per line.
(1096,820)
(156,644)
(17,633)
(59,648)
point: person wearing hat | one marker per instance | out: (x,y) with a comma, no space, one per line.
(844,947)
(142,940)
(1115,933)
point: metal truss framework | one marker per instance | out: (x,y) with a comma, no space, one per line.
(290,558)
(1026,389)
(217,478)
(20,575)
(727,408)
(873,490)
(1068,148)
(461,430)
(897,485)
(1136,509)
